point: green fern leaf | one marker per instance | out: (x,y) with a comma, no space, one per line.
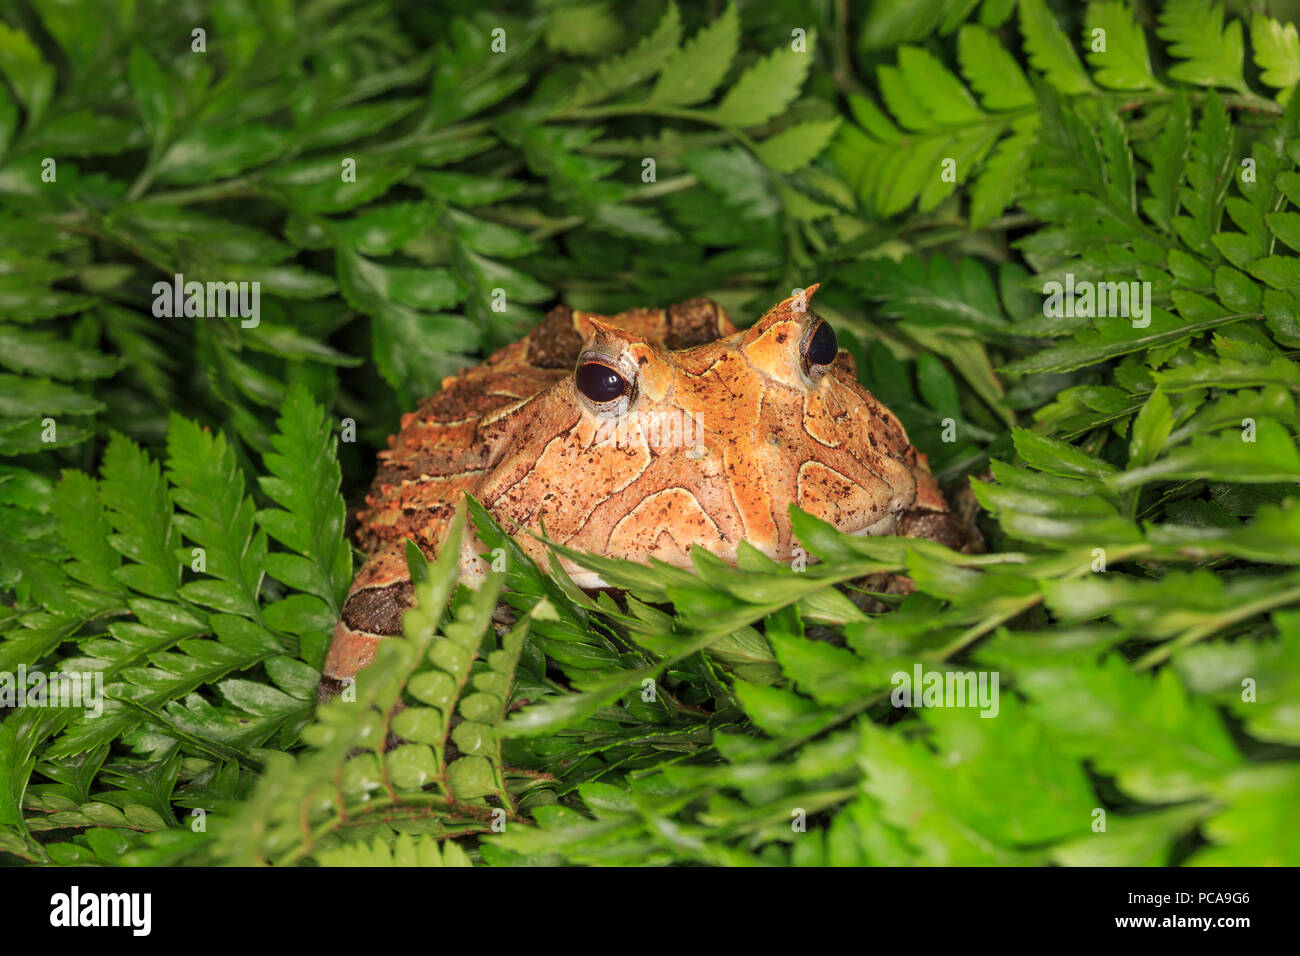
(1213,52)
(1002,177)
(766,88)
(955,300)
(891,22)
(896,91)
(796,146)
(1277,54)
(44,353)
(25,403)
(588,29)
(207,484)
(992,71)
(30,76)
(966,151)
(85,532)
(153,93)
(140,510)
(403,850)
(691,74)
(873,119)
(634,222)
(941,95)
(1168,161)
(1123,63)
(433,667)
(1207,178)
(304,481)
(643,61)
(1050,50)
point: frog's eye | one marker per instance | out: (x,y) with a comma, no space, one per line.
(820,347)
(600,383)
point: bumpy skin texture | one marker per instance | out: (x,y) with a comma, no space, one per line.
(729,429)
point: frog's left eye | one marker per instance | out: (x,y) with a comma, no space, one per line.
(820,346)
(600,383)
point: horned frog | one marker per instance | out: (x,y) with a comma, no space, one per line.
(640,435)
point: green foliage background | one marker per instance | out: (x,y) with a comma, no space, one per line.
(1169,157)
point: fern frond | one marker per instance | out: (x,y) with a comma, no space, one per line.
(1212,51)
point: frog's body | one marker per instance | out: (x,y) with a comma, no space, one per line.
(675,431)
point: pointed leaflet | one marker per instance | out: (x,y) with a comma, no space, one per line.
(354,123)
(212,153)
(1123,63)
(1277,54)
(44,353)
(976,788)
(30,76)
(887,23)
(959,298)
(766,88)
(413,349)
(1273,669)
(1162,743)
(424,850)
(1196,33)
(1002,177)
(140,512)
(208,484)
(153,93)
(641,62)
(1150,430)
(1168,160)
(692,73)
(304,481)
(1057,457)
(18,740)
(896,91)
(992,71)
(796,146)
(85,532)
(1207,178)
(943,97)
(1050,50)
(1272,457)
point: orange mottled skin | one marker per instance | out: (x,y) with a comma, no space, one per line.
(517,434)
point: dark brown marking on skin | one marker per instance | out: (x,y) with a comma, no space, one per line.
(379,610)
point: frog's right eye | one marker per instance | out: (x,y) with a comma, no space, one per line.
(818,349)
(823,346)
(600,383)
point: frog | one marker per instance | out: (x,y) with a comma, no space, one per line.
(639,435)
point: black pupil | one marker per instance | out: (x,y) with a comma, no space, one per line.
(823,347)
(600,383)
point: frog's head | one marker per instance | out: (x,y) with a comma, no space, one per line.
(646,452)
